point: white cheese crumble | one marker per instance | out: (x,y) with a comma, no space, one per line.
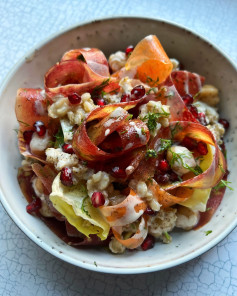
(186,218)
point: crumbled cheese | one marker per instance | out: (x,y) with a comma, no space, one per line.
(117,60)
(163,221)
(80,171)
(126,85)
(116,247)
(60,159)
(39,144)
(186,218)
(209,95)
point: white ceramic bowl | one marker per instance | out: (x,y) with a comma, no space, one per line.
(110,35)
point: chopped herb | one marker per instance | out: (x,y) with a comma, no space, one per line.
(223,184)
(208,232)
(164,144)
(196,95)
(123,132)
(84,162)
(150,180)
(151,81)
(16,130)
(208,209)
(175,129)
(81,58)
(167,236)
(179,158)
(59,138)
(97,90)
(95,263)
(152,119)
(170,94)
(221,168)
(22,122)
(84,210)
(143,131)
(103,93)
(130,116)
(152,89)
(150,153)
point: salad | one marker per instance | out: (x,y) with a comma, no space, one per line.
(120,152)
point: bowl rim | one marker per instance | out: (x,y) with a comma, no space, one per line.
(45,246)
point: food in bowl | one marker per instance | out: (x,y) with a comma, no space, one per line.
(118,153)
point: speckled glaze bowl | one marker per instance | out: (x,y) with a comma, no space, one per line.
(110,35)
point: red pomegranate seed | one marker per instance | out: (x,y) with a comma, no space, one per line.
(187,99)
(100,102)
(66,176)
(173,177)
(148,243)
(163,166)
(202,118)
(40,128)
(74,99)
(224,122)
(119,173)
(189,143)
(163,179)
(34,206)
(193,110)
(128,50)
(150,212)
(137,92)
(27,135)
(202,148)
(125,98)
(97,199)
(67,148)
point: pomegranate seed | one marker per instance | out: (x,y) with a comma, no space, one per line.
(202,148)
(27,135)
(163,179)
(163,166)
(187,99)
(189,143)
(66,176)
(202,118)
(40,128)
(128,50)
(97,199)
(74,99)
(193,110)
(34,206)
(100,102)
(125,98)
(117,172)
(148,243)
(150,212)
(138,92)
(224,122)
(67,148)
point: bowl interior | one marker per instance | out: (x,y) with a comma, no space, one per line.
(111,35)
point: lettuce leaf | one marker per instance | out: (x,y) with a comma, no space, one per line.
(74,203)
